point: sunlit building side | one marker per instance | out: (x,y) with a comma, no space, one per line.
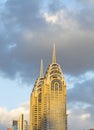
(48,99)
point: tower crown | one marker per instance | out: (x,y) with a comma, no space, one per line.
(54,69)
(40,80)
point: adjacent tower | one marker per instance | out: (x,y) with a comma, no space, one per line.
(48,99)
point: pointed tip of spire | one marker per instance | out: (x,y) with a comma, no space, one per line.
(41,69)
(54,54)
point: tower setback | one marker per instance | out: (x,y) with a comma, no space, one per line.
(48,99)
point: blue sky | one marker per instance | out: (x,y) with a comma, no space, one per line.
(13,93)
(28,30)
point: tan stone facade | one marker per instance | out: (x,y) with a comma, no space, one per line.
(48,99)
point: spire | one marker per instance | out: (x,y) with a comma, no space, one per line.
(41,69)
(54,55)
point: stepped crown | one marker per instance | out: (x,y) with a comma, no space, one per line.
(54,69)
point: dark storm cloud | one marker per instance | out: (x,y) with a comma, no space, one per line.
(19,15)
(86,16)
(27,37)
(83,12)
(82,92)
(24,13)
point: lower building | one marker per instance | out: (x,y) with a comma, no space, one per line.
(9,128)
(20,124)
(15,125)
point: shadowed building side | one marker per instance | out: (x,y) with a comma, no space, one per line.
(48,99)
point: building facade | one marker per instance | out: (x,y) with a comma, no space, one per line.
(48,99)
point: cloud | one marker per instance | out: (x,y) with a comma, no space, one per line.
(83,119)
(27,33)
(30,28)
(85,13)
(6,117)
(50,18)
(82,89)
(80,101)
(55,5)
(85,116)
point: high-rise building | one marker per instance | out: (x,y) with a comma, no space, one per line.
(48,99)
(20,124)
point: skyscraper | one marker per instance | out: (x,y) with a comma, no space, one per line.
(48,99)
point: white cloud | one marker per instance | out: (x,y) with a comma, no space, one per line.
(78,119)
(85,116)
(50,18)
(62,19)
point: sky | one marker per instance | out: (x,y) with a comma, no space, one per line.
(28,30)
